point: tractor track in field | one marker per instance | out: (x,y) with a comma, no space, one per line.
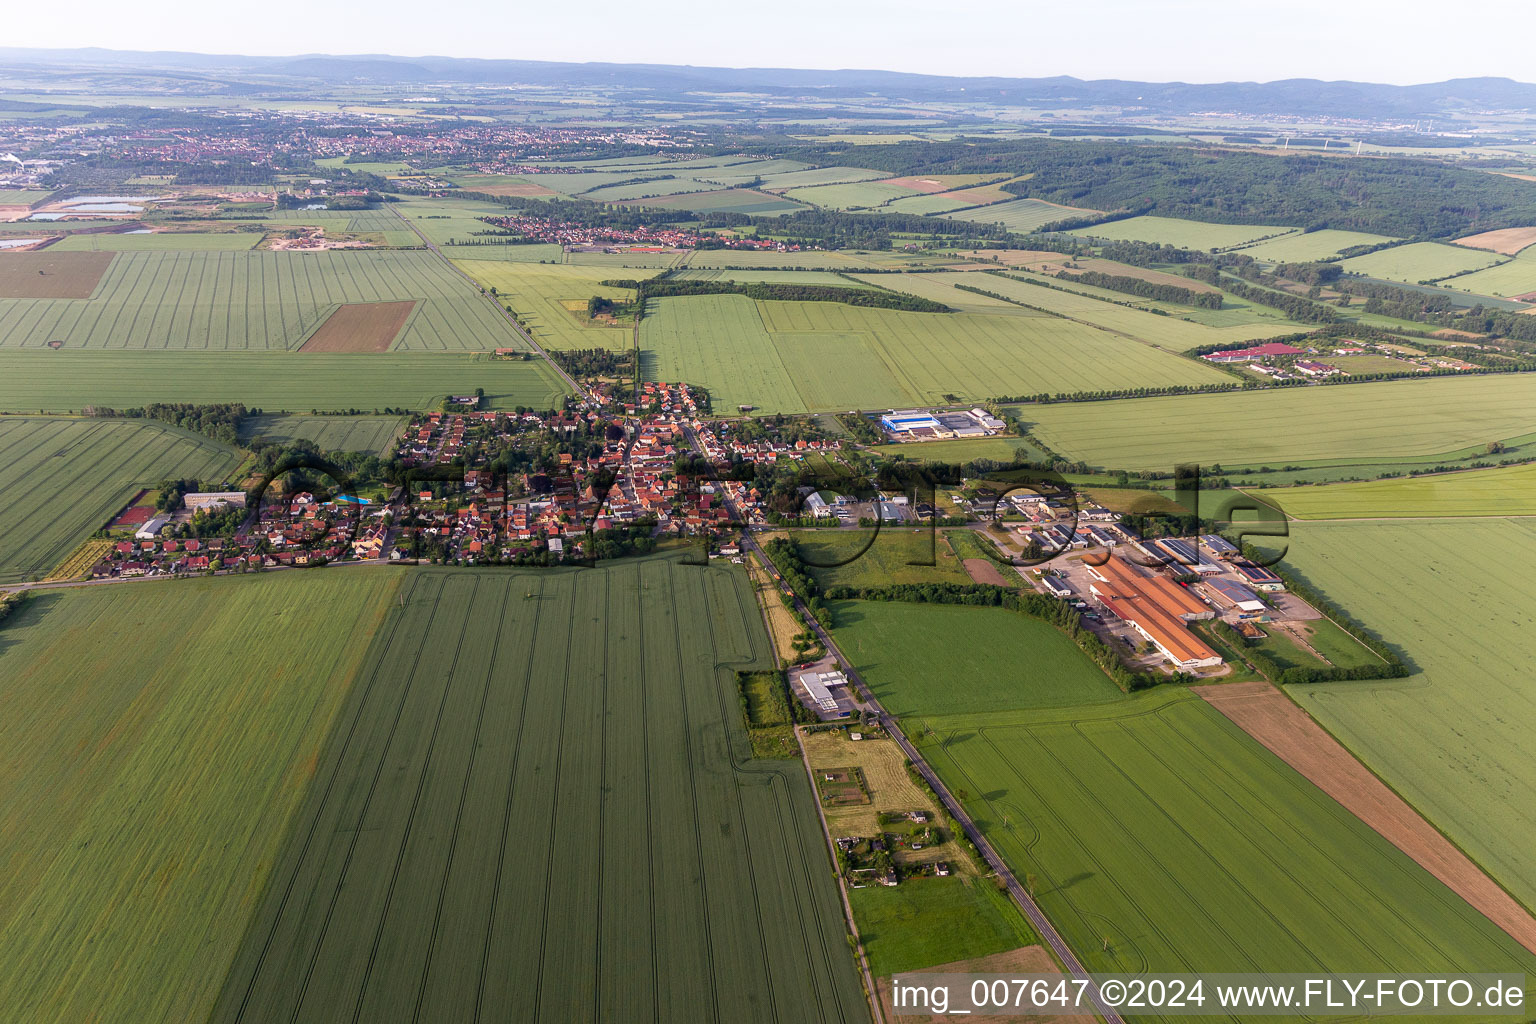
(506,816)
(693,803)
(314,823)
(458,815)
(554,802)
(410,818)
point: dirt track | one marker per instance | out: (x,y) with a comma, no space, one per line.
(983,570)
(1268,716)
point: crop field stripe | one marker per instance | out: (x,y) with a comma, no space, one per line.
(363,705)
(1424,885)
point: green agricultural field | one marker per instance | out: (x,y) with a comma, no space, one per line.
(827,356)
(1184,234)
(966,449)
(1164,839)
(1021,215)
(1421,261)
(377,219)
(656,188)
(1343,423)
(921,205)
(1453,738)
(1507,280)
(1506,491)
(922,660)
(618,264)
(866,558)
(62,479)
(817,176)
(26,197)
(859,195)
(539,294)
(543,777)
(925,922)
(828,279)
(829,259)
(297,381)
(941,288)
(375,434)
(734,200)
(255,300)
(1310,245)
(159,738)
(161,241)
(1086,303)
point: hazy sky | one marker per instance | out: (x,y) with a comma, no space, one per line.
(1397,41)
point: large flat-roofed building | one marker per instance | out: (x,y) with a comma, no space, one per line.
(818,684)
(1258,577)
(1237,595)
(213,499)
(906,421)
(1158,609)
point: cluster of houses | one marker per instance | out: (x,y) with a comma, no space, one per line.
(299,530)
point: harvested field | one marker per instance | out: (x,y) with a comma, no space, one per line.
(360,327)
(1024,960)
(938,182)
(1269,717)
(49,275)
(1505,240)
(525,189)
(982,570)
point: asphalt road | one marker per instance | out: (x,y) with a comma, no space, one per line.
(1020,896)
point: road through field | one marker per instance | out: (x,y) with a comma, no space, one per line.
(1031,909)
(512,320)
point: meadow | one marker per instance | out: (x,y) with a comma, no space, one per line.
(965,449)
(374,434)
(1310,245)
(922,660)
(539,294)
(925,922)
(1420,261)
(542,777)
(1453,738)
(62,479)
(67,381)
(1183,234)
(1378,420)
(1505,491)
(1509,279)
(865,558)
(159,739)
(255,300)
(1163,838)
(827,356)
(858,195)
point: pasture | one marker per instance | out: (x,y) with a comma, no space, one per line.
(159,739)
(1163,838)
(1383,420)
(925,922)
(62,479)
(1310,245)
(330,382)
(539,295)
(566,794)
(1183,234)
(160,241)
(252,300)
(375,434)
(1505,491)
(1419,262)
(827,356)
(1452,739)
(922,660)
(45,275)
